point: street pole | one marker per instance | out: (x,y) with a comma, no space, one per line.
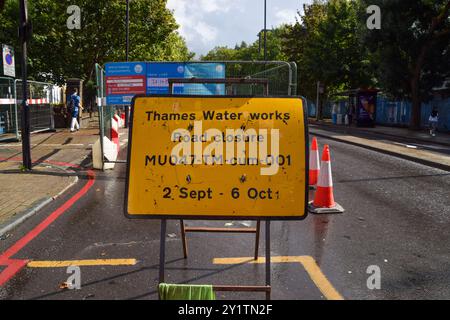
(317,101)
(25,121)
(127,22)
(127,51)
(265,30)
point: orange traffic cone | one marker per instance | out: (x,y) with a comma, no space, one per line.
(314,164)
(324,199)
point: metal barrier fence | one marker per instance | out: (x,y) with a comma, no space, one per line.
(280,75)
(105,113)
(279,79)
(8,111)
(41,98)
(230,86)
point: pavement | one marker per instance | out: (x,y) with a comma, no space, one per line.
(56,156)
(419,136)
(401,142)
(397,219)
(23,190)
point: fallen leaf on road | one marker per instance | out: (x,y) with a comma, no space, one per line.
(64,285)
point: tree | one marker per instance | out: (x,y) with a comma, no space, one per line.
(278,77)
(412,48)
(297,38)
(254,51)
(57,53)
(221,54)
(326,45)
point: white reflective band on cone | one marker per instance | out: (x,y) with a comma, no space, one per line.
(114,125)
(314,163)
(325,178)
(118,120)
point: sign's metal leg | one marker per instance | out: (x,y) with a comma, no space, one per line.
(183,238)
(102,134)
(268,271)
(258,231)
(127,108)
(162,250)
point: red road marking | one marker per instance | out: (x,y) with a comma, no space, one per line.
(14,266)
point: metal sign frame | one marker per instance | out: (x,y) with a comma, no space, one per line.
(206,217)
(291,87)
(263,82)
(267,288)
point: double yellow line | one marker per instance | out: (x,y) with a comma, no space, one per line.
(308,263)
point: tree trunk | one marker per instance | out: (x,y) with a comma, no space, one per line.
(417,70)
(415,87)
(416,104)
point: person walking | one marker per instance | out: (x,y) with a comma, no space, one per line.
(433,121)
(74,109)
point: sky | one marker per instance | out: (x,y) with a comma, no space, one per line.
(206,24)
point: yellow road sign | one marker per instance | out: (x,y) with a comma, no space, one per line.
(217,157)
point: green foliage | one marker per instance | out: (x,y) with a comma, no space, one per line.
(412,49)
(325,43)
(56,53)
(254,51)
(330,43)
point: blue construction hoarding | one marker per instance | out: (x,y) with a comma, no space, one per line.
(206,71)
(158,75)
(395,113)
(127,79)
(124,80)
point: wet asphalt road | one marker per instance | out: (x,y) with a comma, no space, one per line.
(397,217)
